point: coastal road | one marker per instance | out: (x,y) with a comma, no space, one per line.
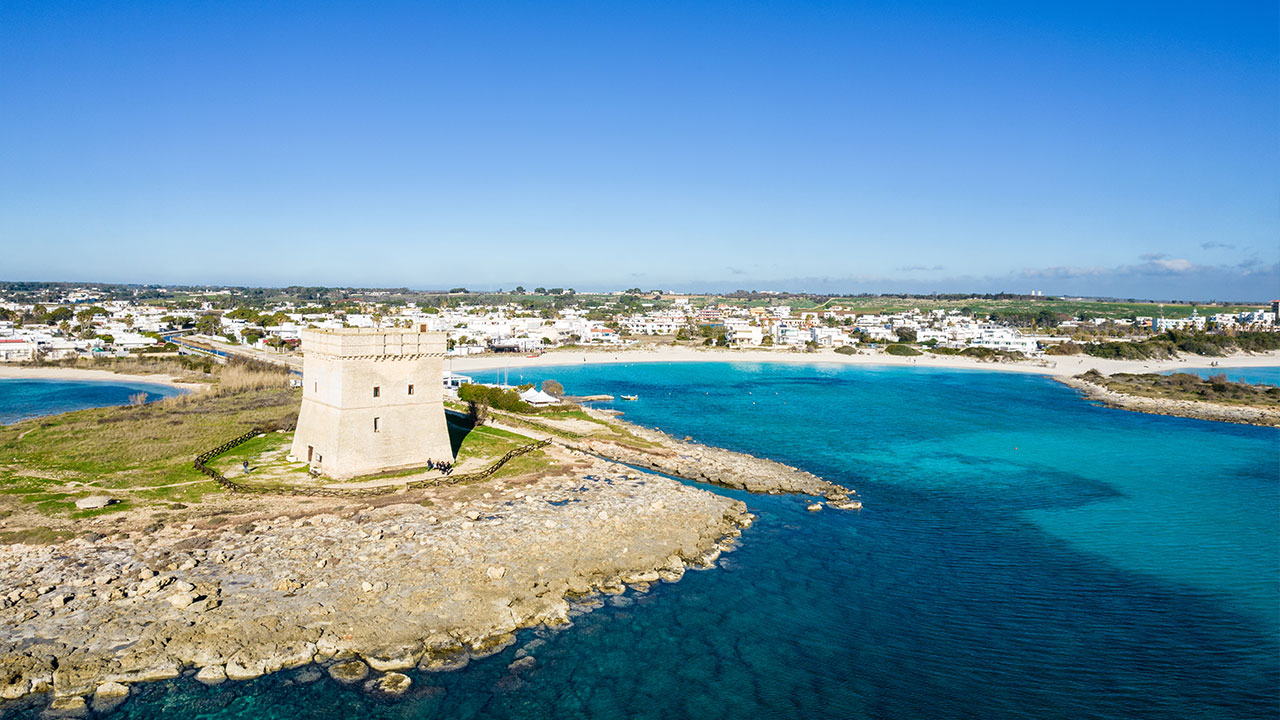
(293,362)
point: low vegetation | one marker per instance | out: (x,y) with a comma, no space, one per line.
(137,454)
(485,396)
(902,350)
(1171,343)
(1185,386)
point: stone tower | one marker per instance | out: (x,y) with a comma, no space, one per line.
(372,400)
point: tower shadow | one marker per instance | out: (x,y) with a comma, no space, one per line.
(459,427)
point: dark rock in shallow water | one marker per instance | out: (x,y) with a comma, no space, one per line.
(445,662)
(348,672)
(508,684)
(522,664)
(393,684)
(67,707)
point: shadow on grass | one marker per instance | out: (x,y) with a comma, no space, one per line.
(459,427)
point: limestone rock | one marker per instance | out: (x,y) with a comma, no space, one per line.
(94,502)
(212,675)
(394,658)
(108,696)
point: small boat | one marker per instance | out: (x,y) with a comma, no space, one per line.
(630,397)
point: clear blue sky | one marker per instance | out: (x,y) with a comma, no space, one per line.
(1118,148)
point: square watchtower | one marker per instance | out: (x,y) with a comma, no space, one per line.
(372,401)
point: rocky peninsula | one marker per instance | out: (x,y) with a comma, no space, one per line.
(1101,389)
(704,463)
(422,578)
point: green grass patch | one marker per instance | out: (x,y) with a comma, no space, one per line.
(132,447)
(35,536)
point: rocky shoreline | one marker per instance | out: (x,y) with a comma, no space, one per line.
(704,463)
(425,579)
(1199,410)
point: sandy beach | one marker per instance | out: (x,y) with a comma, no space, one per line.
(1054,365)
(61,373)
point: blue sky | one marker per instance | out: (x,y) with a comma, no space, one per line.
(1127,149)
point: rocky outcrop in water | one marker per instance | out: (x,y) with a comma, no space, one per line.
(704,463)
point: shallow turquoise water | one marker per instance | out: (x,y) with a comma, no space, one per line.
(1022,554)
(21,399)
(1254,375)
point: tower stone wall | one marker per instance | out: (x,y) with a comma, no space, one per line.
(372,401)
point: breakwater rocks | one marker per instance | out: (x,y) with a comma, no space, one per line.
(704,463)
(1200,410)
(364,591)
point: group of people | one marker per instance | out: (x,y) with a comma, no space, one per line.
(442,466)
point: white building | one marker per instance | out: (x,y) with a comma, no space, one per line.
(16,350)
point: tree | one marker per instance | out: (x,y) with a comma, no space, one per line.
(906,335)
(477,412)
(208,324)
(59,315)
(553,388)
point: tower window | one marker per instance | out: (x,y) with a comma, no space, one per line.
(377,424)
(410,389)
(377,391)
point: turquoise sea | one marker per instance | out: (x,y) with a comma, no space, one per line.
(1021,554)
(21,399)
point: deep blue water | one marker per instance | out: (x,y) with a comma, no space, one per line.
(1254,375)
(1022,554)
(22,399)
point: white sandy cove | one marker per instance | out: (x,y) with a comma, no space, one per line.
(1051,365)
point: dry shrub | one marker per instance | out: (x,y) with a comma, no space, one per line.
(239,377)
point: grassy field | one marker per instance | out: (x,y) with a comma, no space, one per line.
(1185,386)
(140,455)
